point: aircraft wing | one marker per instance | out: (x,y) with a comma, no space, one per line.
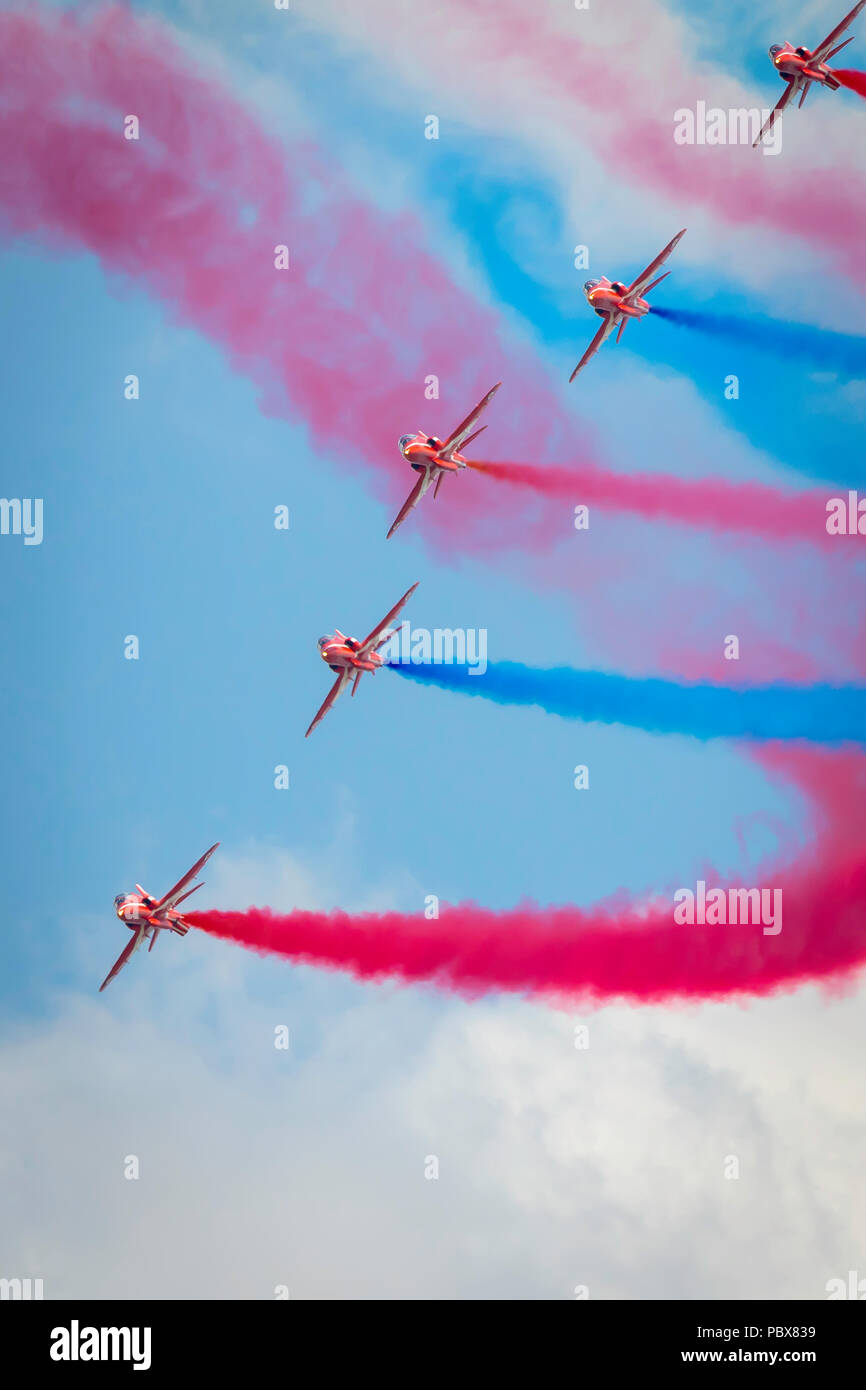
(825,45)
(453,442)
(603,333)
(381,628)
(129,949)
(335,690)
(412,500)
(174,893)
(792,87)
(639,285)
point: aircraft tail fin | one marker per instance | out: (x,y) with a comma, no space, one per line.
(188,894)
(839,47)
(804,94)
(621,329)
(657,281)
(357,681)
(439,483)
(153,940)
(470,438)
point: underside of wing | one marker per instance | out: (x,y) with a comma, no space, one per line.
(639,285)
(132,944)
(780,106)
(370,642)
(825,45)
(412,500)
(336,689)
(174,893)
(605,331)
(453,442)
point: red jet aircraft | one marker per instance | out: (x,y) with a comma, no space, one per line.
(616,303)
(147,917)
(433,459)
(351,658)
(800,67)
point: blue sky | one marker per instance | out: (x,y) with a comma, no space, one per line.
(158,523)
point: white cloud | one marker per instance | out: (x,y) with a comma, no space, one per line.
(559,1166)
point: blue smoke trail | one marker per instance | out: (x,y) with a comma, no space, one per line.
(817,713)
(835,352)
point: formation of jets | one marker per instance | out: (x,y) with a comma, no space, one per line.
(615,303)
(431,458)
(800,67)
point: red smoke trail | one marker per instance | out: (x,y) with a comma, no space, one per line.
(614,949)
(709,503)
(852,79)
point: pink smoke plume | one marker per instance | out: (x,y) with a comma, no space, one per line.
(852,79)
(637,132)
(615,949)
(710,503)
(194,209)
